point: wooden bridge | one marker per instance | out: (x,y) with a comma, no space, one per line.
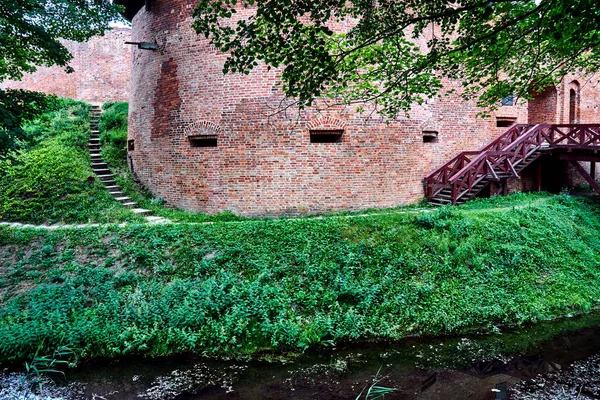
(470,172)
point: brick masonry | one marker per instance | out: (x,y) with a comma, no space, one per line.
(102,71)
(264,163)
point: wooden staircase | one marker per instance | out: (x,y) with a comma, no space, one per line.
(467,174)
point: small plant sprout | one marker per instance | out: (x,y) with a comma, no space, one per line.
(375,391)
(47,364)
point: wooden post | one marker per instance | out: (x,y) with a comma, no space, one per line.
(538,178)
(586,176)
(593,169)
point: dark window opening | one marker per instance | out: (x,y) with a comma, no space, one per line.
(130,145)
(505,122)
(326,136)
(430,136)
(203,141)
(573,107)
(509,100)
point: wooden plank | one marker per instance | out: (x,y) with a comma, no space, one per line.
(578,157)
(586,176)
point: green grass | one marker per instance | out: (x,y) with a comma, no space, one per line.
(49,179)
(233,288)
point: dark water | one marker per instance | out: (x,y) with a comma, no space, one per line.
(473,367)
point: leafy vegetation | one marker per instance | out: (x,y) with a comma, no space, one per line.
(289,285)
(43,365)
(17,107)
(48,177)
(113,129)
(30,36)
(397,53)
(30,31)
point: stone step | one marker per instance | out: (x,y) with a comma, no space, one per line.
(102,171)
(142,211)
(116,193)
(130,204)
(124,199)
(113,187)
(106,177)
(157,220)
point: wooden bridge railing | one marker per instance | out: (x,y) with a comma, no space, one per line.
(501,157)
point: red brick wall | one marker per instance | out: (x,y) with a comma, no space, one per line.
(543,107)
(102,71)
(264,163)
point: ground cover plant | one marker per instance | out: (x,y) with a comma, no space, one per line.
(48,177)
(294,284)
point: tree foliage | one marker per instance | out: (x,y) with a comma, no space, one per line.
(396,53)
(30,31)
(30,36)
(17,106)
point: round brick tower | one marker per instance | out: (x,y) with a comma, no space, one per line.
(210,142)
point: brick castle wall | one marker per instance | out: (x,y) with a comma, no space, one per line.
(102,71)
(264,163)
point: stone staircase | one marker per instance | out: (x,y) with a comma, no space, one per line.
(105,175)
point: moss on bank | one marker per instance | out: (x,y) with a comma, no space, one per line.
(243,287)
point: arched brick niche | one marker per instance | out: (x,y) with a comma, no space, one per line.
(574,102)
(326,130)
(199,134)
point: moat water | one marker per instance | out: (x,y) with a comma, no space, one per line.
(463,367)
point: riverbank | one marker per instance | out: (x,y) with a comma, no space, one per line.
(255,286)
(449,368)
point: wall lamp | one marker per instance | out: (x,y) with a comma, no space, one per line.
(144,45)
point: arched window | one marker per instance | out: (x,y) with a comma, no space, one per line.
(574,111)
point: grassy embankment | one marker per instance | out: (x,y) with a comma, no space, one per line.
(48,178)
(287,285)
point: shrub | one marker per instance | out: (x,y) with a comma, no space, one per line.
(113,128)
(17,107)
(114,117)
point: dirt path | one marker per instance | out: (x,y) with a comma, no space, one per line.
(163,221)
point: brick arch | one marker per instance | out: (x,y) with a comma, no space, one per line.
(326,123)
(574,99)
(201,128)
